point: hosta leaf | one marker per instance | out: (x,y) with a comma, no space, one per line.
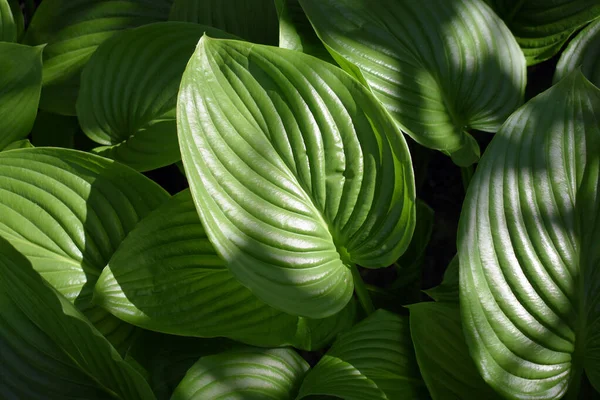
(296,171)
(67,212)
(447,291)
(584,52)
(167,277)
(528,247)
(440,67)
(49,349)
(244,374)
(54,130)
(11,21)
(73,30)
(442,353)
(541,27)
(252,20)
(129,92)
(20,85)
(374,360)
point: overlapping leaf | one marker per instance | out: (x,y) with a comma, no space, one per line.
(49,349)
(129,92)
(67,212)
(583,52)
(73,29)
(20,85)
(528,247)
(447,291)
(296,171)
(167,277)
(11,21)
(440,67)
(374,360)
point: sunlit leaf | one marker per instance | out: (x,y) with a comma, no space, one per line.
(583,52)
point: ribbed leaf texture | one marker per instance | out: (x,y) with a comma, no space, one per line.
(528,247)
(296,171)
(440,67)
(583,52)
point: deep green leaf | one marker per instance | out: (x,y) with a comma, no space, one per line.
(374,360)
(584,52)
(11,21)
(20,85)
(167,277)
(440,67)
(67,212)
(73,30)
(49,349)
(296,171)
(129,91)
(54,130)
(244,374)
(252,20)
(447,291)
(528,247)
(443,355)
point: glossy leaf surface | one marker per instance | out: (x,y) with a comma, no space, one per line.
(296,171)
(528,247)
(583,52)
(167,277)
(440,67)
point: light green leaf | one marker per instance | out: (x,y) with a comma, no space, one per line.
(244,374)
(374,360)
(296,171)
(528,247)
(73,29)
(11,21)
(584,52)
(252,20)
(20,85)
(443,355)
(447,291)
(49,349)
(67,212)
(19,144)
(167,277)
(129,91)
(440,67)
(54,130)
(541,27)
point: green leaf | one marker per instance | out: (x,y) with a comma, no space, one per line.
(11,21)
(296,171)
(67,212)
(73,29)
(49,349)
(584,52)
(129,91)
(20,85)
(542,27)
(440,67)
(374,360)
(244,374)
(54,130)
(447,291)
(443,355)
(19,144)
(167,277)
(528,247)
(252,20)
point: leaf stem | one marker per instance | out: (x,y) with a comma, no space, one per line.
(361,291)
(466,174)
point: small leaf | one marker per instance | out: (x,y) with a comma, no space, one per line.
(443,355)
(447,291)
(20,85)
(296,171)
(11,21)
(167,277)
(19,144)
(244,374)
(584,52)
(49,349)
(440,67)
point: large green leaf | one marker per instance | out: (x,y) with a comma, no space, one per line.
(528,247)
(584,52)
(20,85)
(440,67)
(67,212)
(11,21)
(541,27)
(443,355)
(252,20)
(49,349)
(167,277)
(73,29)
(296,170)
(244,374)
(374,360)
(129,91)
